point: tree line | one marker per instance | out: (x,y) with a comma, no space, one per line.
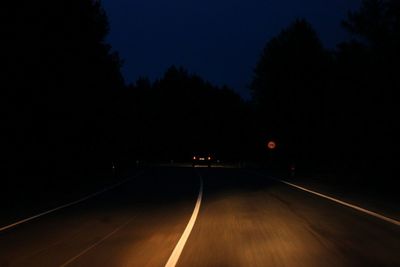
(181,114)
(333,109)
(67,112)
(59,78)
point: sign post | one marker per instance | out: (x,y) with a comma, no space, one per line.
(113,170)
(292,170)
(271,147)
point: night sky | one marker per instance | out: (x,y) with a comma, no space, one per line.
(218,40)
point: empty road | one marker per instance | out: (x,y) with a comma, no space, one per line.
(202,217)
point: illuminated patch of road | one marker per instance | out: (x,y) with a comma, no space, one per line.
(173,259)
(66,205)
(95,244)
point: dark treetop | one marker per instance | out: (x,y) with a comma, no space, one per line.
(219,40)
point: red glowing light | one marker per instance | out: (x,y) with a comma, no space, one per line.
(271,145)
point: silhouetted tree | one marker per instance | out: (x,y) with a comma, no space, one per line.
(377,22)
(289,87)
(367,78)
(59,87)
(181,113)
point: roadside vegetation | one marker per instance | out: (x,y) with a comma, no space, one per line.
(68,114)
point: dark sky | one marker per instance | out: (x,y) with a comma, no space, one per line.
(220,40)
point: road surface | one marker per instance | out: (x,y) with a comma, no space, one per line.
(242,219)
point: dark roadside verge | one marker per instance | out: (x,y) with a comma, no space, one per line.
(24,197)
(376,194)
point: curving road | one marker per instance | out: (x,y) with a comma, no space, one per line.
(243,219)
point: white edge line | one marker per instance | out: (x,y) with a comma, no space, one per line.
(371,213)
(374,214)
(67,205)
(176,253)
(95,244)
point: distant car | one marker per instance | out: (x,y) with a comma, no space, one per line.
(202,159)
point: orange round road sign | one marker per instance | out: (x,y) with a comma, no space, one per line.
(271,145)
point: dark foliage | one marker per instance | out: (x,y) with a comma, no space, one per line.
(289,90)
(59,78)
(334,110)
(367,77)
(67,113)
(181,114)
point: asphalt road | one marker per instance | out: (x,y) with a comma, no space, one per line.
(244,219)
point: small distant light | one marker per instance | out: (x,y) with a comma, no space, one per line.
(271,145)
(209,158)
(194,157)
